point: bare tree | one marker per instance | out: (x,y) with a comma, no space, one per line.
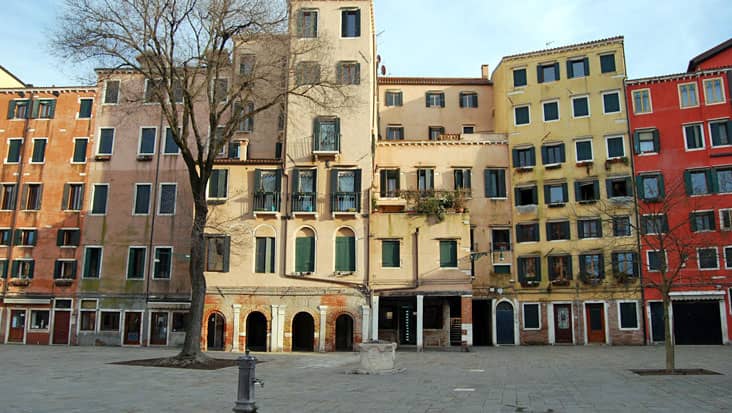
(184,48)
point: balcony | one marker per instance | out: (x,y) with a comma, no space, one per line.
(266,203)
(342,203)
(304,203)
(501,253)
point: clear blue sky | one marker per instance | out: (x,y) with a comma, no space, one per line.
(448,38)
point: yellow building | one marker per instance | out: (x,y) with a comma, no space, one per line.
(8,80)
(575,276)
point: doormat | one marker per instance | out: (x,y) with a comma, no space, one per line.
(210,364)
(675,372)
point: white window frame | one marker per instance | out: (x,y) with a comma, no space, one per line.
(464,93)
(636,110)
(33,149)
(648,259)
(30,319)
(543,112)
(101,262)
(722,211)
(589,108)
(620,102)
(526,71)
(701,130)
(430,93)
(91,199)
(83,188)
(20,154)
(134,198)
(70,229)
(701,211)
(462,128)
(393,91)
(607,146)
(154,260)
(637,316)
(592,150)
(523,316)
(107,310)
(24,207)
(681,100)
(99,141)
(721,88)
(64,260)
(698,259)
(727,265)
(78,101)
(104,92)
(709,129)
(73,148)
(175,201)
(163,142)
(144,265)
(155,141)
(88,310)
(514,115)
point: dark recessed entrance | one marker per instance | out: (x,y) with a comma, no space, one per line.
(344,333)
(257,331)
(303,332)
(697,322)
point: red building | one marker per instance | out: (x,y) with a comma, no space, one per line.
(682,130)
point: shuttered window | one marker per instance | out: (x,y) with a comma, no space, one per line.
(305,254)
(39,151)
(495,183)
(218,184)
(79,155)
(142,199)
(390,254)
(217,252)
(136,257)
(607,63)
(92,262)
(85,108)
(265,255)
(448,254)
(628,315)
(345,254)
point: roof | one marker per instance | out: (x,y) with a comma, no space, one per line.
(709,54)
(434,81)
(226,161)
(564,48)
(11,75)
(674,76)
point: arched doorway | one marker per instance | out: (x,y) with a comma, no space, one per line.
(303,332)
(344,333)
(257,331)
(504,323)
(216,330)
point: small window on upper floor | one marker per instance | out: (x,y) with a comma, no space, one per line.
(721,132)
(85,108)
(18,109)
(694,136)
(687,95)
(154,90)
(111,92)
(607,63)
(44,108)
(435,132)
(435,99)
(580,106)
(307,73)
(642,101)
(550,110)
(468,100)
(519,77)
(521,115)
(611,102)
(246,65)
(307,23)
(394,133)
(348,73)
(646,141)
(351,23)
(79,155)
(547,72)
(393,98)
(578,67)
(713,91)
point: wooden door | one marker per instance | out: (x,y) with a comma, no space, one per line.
(595,323)
(159,329)
(133,322)
(17,326)
(504,324)
(562,323)
(61,321)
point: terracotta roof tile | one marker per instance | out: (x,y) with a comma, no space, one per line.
(393,80)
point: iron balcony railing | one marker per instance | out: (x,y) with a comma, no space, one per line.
(331,143)
(266,201)
(304,202)
(345,202)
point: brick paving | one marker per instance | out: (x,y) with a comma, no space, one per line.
(507,379)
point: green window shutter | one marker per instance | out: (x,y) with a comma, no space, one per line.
(562,153)
(516,194)
(501,183)
(539,74)
(57,269)
(73,270)
(489,185)
(565,192)
(33,238)
(52,108)
(87,263)
(60,237)
(15,269)
(296,180)
(712,181)
(547,197)
(358,74)
(515,155)
(609,187)
(24,196)
(390,254)
(596,189)
(227,253)
(461,99)
(345,254)
(544,155)
(448,254)
(532,155)
(76,237)
(316,134)
(636,142)
(692,222)
(257,180)
(442,100)
(32,269)
(556,70)
(36,106)
(586,62)
(18,235)
(260,254)
(570,72)
(599,228)
(4,269)
(639,186)
(661,190)
(65,198)
(687,183)
(656,140)
(304,254)
(338,133)
(11,109)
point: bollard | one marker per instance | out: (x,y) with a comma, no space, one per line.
(245,392)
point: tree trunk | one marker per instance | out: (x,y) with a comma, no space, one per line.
(668,334)
(192,344)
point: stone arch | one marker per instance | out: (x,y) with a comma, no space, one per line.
(256,331)
(215,331)
(305,250)
(505,314)
(303,331)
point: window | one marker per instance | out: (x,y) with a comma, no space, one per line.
(153,90)
(728,259)
(694,136)
(550,111)
(687,95)
(31,198)
(39,319)
(578,68)
(390,254)
(650,187)
(141,203)
(526,195)
(615,147)
(587,191)
(591,266)
(389,182)
(556,194)
(220,90)
(435,99)
(580,106)
(92,262)
(44,108)
(698,182)
(393,98)
(136,257)
(39,150)
(163,263)
(88,310)
(85,108)
(64,270)
(589,228)
(435,132)
(307,73)
(22,268)
(345,190)
(106,141)
(351,23)
(495,183)
(166,203)
(246,65)
(26,237)
(218,184)
(702,221)
(619,187)
(109,321)
(646,141)
(531,316)
(611,102)
(147,141)
(4,267)
(723,180)
(111,92)
(8,197)
(326,135)
(529,270)
(560,268)
(625,264)
(14,146)
(425,179)
(68,237)
(461,180)
(468,100)
(448,254)
(468,129)
(558,230)
(521,115)
(345,253)
(217,253)
(725,219)
(178,94)
(656,260)
(527,232)
(519,77)
(264,261)
(99,199)
(4,237)
(348,73)
(18,109)
(304,184)
(642,101)
(180,321)
(524,157)
(79,155)
(305,253)
(394,133)
(547,72)
(607,63)
(707,258)
(721,132)
(307,23)
(654,224)
(170,147)
(628,314)
(713,92)
(552,154)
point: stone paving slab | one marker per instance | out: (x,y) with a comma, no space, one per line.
(506,379)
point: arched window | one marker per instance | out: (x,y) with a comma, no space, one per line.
(305,250)
(345,250)
(264,250)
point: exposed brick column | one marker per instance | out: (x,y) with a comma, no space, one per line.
(466,320)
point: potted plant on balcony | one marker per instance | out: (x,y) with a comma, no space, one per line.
(458,202)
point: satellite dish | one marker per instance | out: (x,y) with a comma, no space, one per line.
(378,58)
(383,70)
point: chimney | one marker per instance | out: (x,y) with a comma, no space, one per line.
(484,72)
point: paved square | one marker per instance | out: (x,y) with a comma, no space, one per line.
(507,379)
